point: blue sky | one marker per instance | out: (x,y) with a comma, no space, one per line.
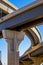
(25,44)
(41,30)
(21,3)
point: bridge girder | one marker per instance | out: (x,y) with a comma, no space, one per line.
(28,16)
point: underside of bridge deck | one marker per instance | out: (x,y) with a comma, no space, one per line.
(28,16)
(22,21)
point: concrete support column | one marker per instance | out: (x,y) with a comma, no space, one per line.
(13,39)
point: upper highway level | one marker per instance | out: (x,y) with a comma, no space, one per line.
(7,7)
(24,17)
(32,33)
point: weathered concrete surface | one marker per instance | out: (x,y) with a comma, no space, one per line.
(13,38)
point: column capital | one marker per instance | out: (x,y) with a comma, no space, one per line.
(10,34)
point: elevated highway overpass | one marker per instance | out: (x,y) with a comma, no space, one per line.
(23,19)
(15,12)
(33,56)
(28,16)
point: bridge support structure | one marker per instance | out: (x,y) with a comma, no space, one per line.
(37,60)
(13,39)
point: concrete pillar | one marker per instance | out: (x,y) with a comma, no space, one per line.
(13,39)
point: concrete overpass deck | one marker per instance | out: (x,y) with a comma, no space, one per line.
(22,20)
(35,51)
(32,33)
(35,54)
(23,17)
(7,7)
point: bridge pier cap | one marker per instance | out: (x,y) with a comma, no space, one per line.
(10,34)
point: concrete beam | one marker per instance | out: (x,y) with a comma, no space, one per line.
(27,60)
(37,60)
(6,8)
(8,4)
(23,16)
(38,48)
(34,35)
(38,51)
